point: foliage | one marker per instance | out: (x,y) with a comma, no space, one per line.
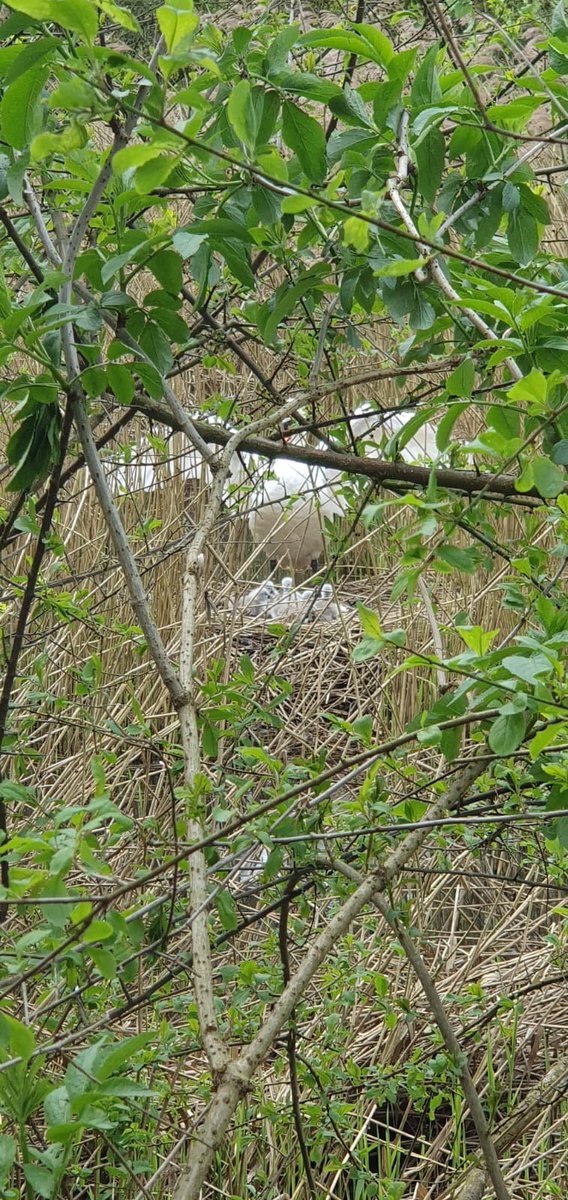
(282,199)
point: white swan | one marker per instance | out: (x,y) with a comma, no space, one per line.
(288,506)
(287,513)
(371,427)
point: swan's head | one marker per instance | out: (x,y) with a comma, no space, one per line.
(287,583)
(267,591)
(326,591)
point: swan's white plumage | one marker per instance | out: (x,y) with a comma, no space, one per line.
(371,428)
(285,503)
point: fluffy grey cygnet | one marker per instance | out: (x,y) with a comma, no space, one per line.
(259,600)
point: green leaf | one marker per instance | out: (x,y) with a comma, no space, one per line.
(23,58)
(534,204)
(112,1058)
(305,137)
(7,1154)
(15,793)
(221,227)
(186,243)
(543,739)
(491,212)
(166,265)
(399,267)
(476,638)
(80,16)
(386,98)
(118,261)
(40,10)
(97,931)
(446,425)
(548,480)
(154,172)
(356,234)
(105,962)
(268,105)
(298,204)
(303,83)
(522,236)
(30,448)
(401,437)
(430,157)
(369,621)
(531,388)
(19,1037)
(510,197)
(383,50)
(462,560)
(426,89)
(20,108)
(226,909)
(157,347)
(119,16)
(243,114)
(338,39)
(525,481)
(450,743)
(209,740)
(120,382)
(286,299)
(401,65)
(279,48)
(134,156)
(504,418)
(41,1179)
(177,22)
(461,380)
(350,107)
(528,668)
(367,648)
(236,259)
(507,733)
(559,453)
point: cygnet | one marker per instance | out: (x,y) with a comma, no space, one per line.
(324,607)
(289,607)
(258,602)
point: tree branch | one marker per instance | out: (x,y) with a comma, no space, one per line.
(496,487)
